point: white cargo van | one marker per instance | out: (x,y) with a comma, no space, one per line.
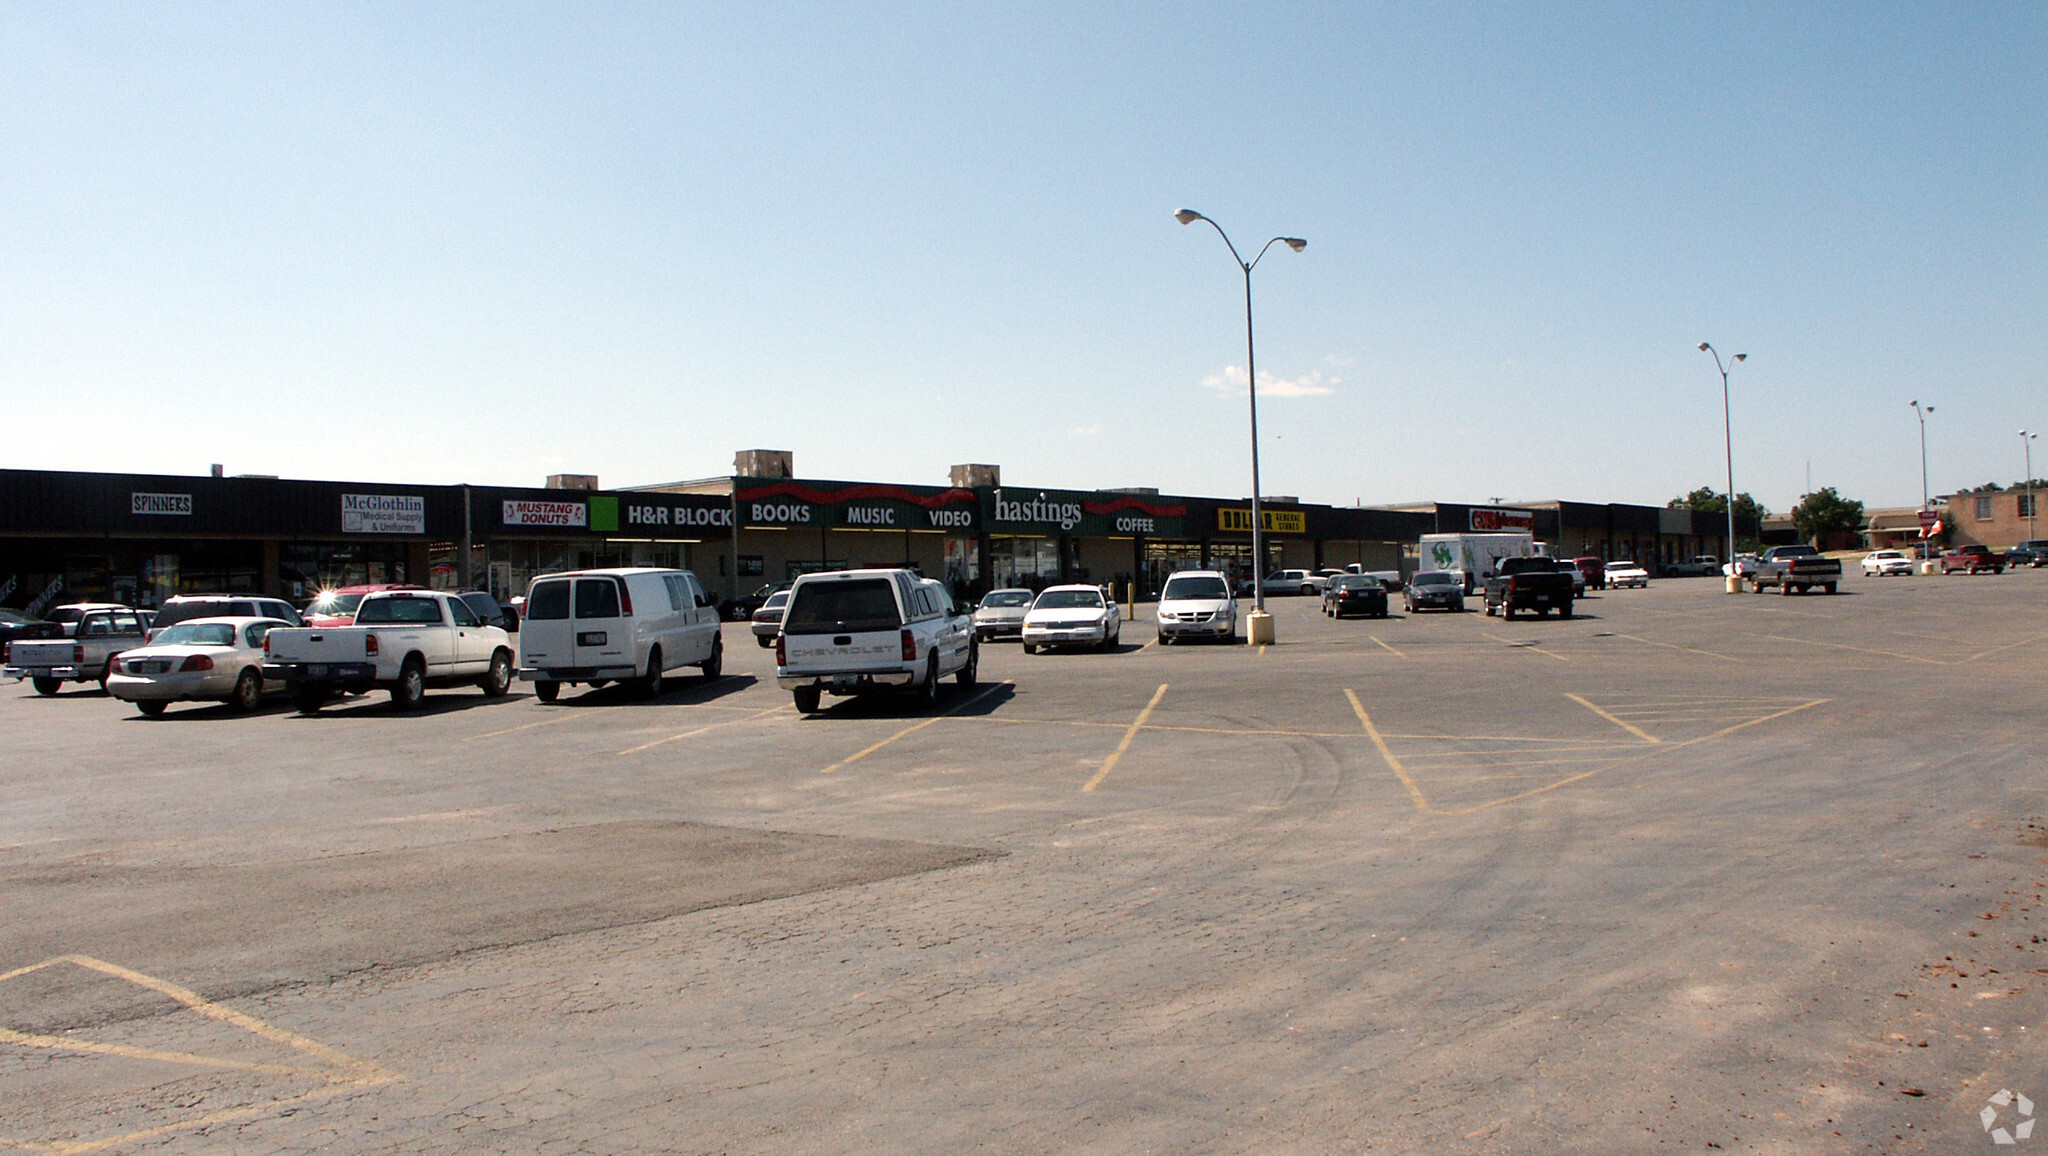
(620,625)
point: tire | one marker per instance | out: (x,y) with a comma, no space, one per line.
(928,693)
(1507,611)
(1030,648)
(1565,610)
(309,697)
(47,686)
(966,676)
(1785,589)
(651,684)
(1307,590)
(806,699)
(715,665)
(411,686)
(1827,587)
(498,681)
(1164,640)
(248,693)
(767,641)
(106,672)
(547,691)
(152,707)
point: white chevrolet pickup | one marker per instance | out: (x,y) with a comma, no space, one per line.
(88,655)
(403,641)
(866,631)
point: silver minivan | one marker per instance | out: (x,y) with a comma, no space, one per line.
(630,625)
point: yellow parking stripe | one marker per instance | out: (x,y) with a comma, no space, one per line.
(1387,752)
(706,727)
(1385,647)
(910,730)
(1631,728)
(1130,734)
(527,727)
(1531,647)
(1686,649)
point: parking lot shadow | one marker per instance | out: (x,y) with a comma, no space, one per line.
(683,691)
(969,702)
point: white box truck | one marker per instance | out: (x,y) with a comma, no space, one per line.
(1475,556)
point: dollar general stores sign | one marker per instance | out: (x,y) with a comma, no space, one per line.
(1238,520)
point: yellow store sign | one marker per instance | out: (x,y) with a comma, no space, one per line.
(1238,520)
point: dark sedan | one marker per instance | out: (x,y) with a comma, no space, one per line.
(1437,588)
(1354,594)
(14,624)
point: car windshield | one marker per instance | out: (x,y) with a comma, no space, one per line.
(776,601)
(399,612)
(849,604)
(1206,586)
(1069,600)
(15,618)
(1355,582)
(65,614)
(1432,578)
(337,605)
(1002,598)
(198,634)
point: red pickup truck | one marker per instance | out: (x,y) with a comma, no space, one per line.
(1972,559)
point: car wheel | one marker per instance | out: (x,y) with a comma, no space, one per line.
(715,665)
(1164,640)
(498,680)
(1827,587)
(651,684)
(806,698)
(46,686)
(1030,648)
(151,707)
(1507,611)
(967,675)
(106,672)
(309,697)
(547,691)
(928,694)
(248,693)
(411,686)
(767,641)
(1564,610)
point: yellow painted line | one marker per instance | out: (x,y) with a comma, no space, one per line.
(1857,649)
(1384,646)
(1387,752)
(706,727)
(1609,748)
(913,729)
(1996,649)
(1631,728)
(1752,722)
(1528,646)
(526,727)
(73,1044)
(1686,649)
(1125,745)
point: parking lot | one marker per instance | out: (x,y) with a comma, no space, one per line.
(1686,871)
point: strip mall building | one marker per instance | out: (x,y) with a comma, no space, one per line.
(139,539)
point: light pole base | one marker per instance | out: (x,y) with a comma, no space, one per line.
(1733,585)
(1258,628)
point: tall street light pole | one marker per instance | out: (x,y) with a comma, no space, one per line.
(1734,584)
(1922,411)
(2027,441)
(1260,630)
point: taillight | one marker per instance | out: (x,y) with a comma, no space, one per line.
(196,662)
(266,646)
(625,599)
(781,652)
(370,645)
(909,647)
(78,653)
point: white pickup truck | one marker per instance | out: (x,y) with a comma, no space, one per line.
(866,631)
(403,641)
(97,636)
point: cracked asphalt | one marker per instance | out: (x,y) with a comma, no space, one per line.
(1687,872)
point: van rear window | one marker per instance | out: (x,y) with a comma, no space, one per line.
(853,605)
(549,601)
(597,598)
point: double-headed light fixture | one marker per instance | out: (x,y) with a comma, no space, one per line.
(1728,436)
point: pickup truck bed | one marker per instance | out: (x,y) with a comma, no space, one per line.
(1529,584)
(411,641)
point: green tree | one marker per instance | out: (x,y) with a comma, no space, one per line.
(1707,500)
(1824,512)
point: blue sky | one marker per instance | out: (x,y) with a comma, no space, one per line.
(488,243)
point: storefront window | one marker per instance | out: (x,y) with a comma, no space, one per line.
(1033,563)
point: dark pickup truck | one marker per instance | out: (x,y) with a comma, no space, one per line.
(1972,559)
(1792,568)
(1528,584)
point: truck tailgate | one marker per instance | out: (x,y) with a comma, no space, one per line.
(829,653)
(318,644)
(54,652)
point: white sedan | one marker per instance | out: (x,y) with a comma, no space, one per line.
(208,659)
(1621,574)
(1071,616)
(1879,563)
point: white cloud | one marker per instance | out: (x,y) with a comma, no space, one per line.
(1311,384)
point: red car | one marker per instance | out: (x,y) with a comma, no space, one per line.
(337,607)
(1595,571)
(1972,559)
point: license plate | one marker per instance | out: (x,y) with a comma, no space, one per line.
(151,667)
(316,672)
(1543,598)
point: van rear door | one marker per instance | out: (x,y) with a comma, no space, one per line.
(602,623)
